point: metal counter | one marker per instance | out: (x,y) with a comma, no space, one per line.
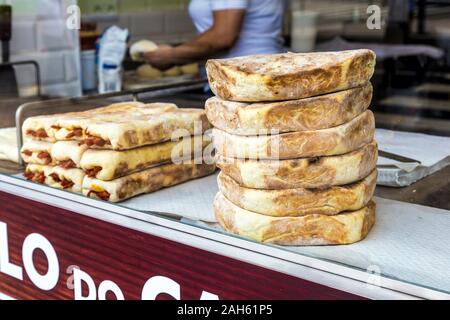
(45,204)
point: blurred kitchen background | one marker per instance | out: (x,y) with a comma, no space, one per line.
(412,80)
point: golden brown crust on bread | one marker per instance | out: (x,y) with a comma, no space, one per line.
(344,228)
(146,181)
(314,113)
(108,165)
(45,127)
(319,172)
(120,126)
(37,152)
(56,177)
(131,130)
(333,141)
(300,201)
(289,76)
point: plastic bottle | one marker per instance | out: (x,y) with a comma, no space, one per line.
(112,47)
(110,78)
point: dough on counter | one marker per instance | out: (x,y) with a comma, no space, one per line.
(146,71)
(8,144)
(141,47)
(172,72)
(345,228)
(190,69)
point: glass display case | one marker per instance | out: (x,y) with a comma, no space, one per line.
(124,248)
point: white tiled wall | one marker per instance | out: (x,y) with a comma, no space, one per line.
(52,35)
(178,22)
(40,34)
(147,24)
(164,26)
(23,32)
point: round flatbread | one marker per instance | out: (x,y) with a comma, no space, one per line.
(318,172)
(300,201)
(314,113)
(345,228)
(141,47)
(146,71)
(190,69)
(302,144)
(172,72)
(289,76)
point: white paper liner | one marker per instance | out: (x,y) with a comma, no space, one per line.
(408,242)
(433,152)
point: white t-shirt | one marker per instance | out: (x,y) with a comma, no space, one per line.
(261,30)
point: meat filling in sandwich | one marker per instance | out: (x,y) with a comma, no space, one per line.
(146,181)
(40,133)
(67,164)
(37,152)
(37,176)
(65,183)
(67,154)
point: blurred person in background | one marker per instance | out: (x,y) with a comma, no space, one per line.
(227,28)
(399,20)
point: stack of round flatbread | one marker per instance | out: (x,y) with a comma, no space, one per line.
(295,143)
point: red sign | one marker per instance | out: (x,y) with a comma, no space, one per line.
(51,253)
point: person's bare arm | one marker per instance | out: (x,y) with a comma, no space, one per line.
(220,37)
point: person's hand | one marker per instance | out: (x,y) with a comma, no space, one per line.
(162,58)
